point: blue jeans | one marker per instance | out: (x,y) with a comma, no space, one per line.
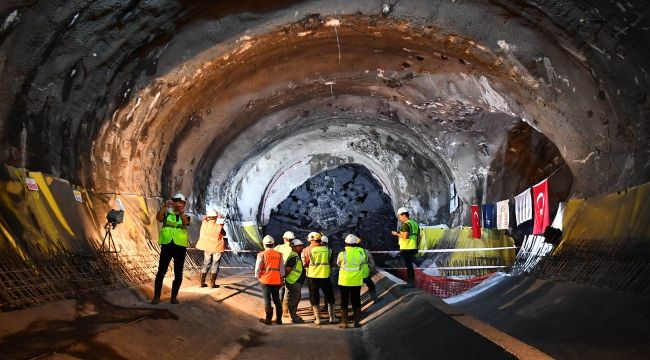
(211,262)
(271,291)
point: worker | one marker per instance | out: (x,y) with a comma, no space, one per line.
(350,262)
(408,243)
(212,243)
(294,280)
(269,270)
(368,268)
(173,245)
(318,276)
(285,250)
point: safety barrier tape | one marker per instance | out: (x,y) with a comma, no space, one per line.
(447,250)
(454,267)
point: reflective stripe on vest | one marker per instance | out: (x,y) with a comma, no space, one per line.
(319,263)
(411,242)
(350,273)
(173,229)
(296,271)
(270,267)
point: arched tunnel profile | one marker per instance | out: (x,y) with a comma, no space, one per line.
(327,116)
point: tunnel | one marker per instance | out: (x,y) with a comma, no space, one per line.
(326,116)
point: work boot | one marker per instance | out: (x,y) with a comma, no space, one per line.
(316,310)
(213,279)
(294,316)
(344,318)
(357,317)
(373,295)
(203,284)
(278,315)
(269,315)
(156,293)
(285,308)
(333,318)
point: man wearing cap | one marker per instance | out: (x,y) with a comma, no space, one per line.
(318,276)
(212,243)
(285,250)
(350,262)
(173,244)
(408,243)
(294,279)
(269,270)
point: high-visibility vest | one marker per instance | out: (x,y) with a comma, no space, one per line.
(365,268)
(350,272)
(411,242)
(285,250)
(270,267)
(295,273)
(319,263)
(173,229)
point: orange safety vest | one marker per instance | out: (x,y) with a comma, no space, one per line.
(270,267)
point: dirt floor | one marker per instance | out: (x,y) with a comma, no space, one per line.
(223,323)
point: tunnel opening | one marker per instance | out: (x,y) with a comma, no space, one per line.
(344,200)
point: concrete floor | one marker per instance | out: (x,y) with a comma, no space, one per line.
(222,324)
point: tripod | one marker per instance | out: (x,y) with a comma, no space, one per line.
(110,246)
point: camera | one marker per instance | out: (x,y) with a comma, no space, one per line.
(114,217)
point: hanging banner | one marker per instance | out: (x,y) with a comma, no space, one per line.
(476,221)
(523,207)
(77,195)
(541,217)
(503,214)
(119,204)
(489,221)
(31,184)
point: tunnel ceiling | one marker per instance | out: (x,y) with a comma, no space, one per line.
(241,102)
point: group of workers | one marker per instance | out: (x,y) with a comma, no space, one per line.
(282,269)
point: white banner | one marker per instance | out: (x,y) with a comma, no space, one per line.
(503,214)
(523,207)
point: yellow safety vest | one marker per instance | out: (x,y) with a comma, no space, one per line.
(319,263)
(411,242)
(296,271)
(350,273)
(365,268)
(173,230)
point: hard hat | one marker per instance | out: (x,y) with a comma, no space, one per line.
(288,235)
(324,239)
(402,210)
(179,197)
(268,240)
(314,236)
(352,239)
(211,213)
(297,242)
(221,221)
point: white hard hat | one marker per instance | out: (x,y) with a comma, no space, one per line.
(314,236)
(268,240)
(288,235)
(324,239)
(352,239)
(179,197)
(211,213)
(297,242)
(402,210)
(221,221)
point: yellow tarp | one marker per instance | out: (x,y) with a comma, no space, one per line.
(461,238)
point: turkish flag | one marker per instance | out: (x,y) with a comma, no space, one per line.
(476,221)
(540,208)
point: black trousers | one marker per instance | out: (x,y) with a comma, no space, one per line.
(408,256)
(314,285)
(371,284)
(351,293)
(167,253)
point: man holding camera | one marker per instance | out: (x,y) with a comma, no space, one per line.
(173,244)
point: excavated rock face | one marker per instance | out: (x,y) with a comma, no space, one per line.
(238,104)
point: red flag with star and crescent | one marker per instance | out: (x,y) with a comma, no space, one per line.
(476,221)
(540,207)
